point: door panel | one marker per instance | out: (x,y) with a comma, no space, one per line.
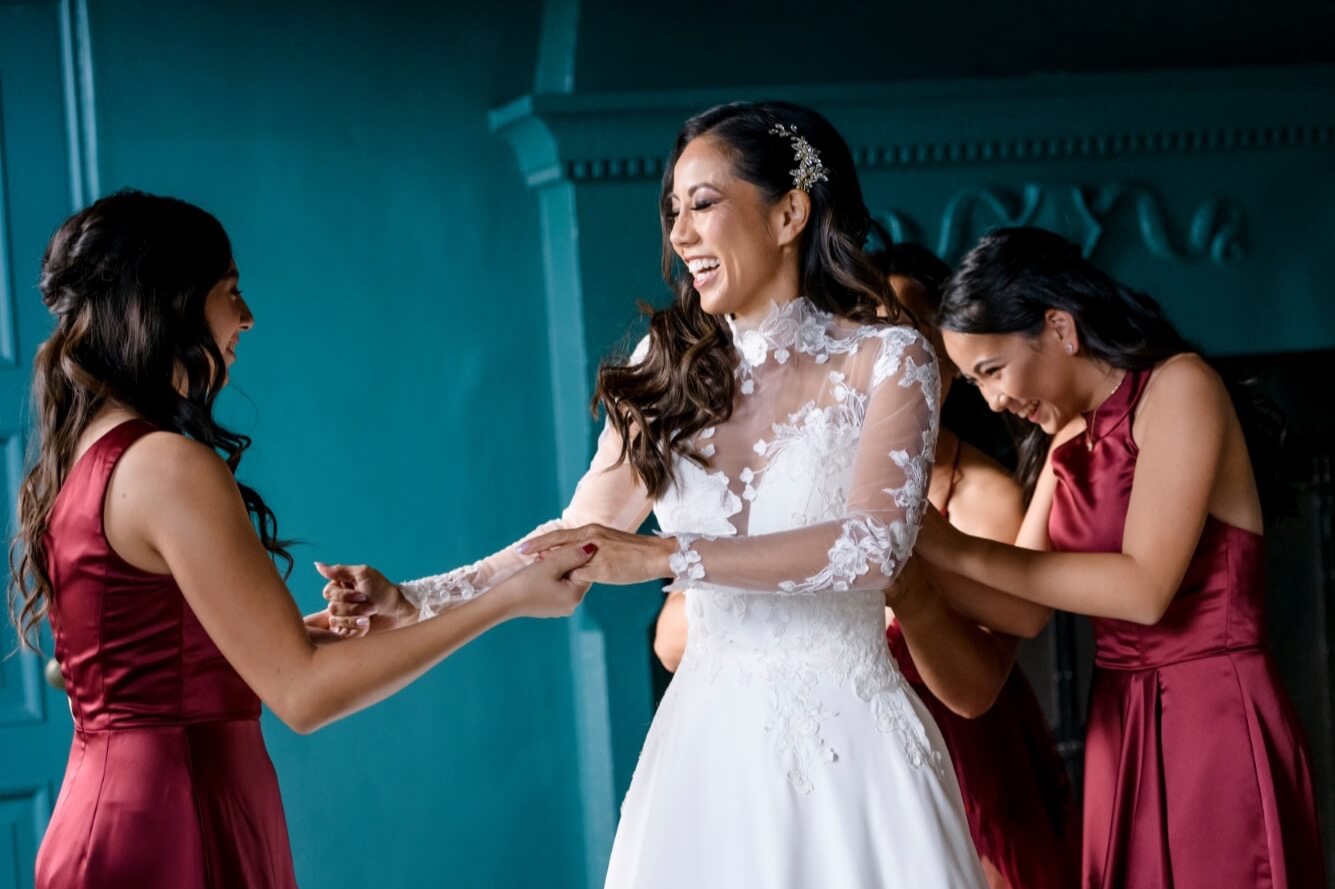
(35,195)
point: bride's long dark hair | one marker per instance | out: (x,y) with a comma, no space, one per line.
(685,382)
(126,279)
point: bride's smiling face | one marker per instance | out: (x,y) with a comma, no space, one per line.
(736,244)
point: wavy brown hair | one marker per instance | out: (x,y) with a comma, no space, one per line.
(126,279)
(685,382)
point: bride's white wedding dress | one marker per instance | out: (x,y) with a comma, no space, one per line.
(788,751)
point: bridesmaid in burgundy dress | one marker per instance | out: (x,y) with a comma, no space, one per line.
(1017,795)
(170,621)
(1196,772)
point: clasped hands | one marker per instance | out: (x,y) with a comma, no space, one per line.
(622,557)
(362,600)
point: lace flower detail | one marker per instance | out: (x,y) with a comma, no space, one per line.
(685,563)
(861,543)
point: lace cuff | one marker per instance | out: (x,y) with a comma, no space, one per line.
(432,595)
(685,564)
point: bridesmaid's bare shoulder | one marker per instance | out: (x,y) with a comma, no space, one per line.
(987,501)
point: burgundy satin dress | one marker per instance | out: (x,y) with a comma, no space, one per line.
(168,785)
(1197,775)
(1017,795)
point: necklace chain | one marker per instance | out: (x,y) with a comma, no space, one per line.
(1094,415)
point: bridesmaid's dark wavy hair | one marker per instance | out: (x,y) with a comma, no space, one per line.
(126,279)
(1008,282)
(685,382)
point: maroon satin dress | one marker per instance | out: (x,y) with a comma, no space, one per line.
(1197,775)
(168,784)
(1022,813)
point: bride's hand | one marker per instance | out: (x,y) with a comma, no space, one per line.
(362,600)
(621,559)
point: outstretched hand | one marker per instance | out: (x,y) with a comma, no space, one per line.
(361,600)
(622,558)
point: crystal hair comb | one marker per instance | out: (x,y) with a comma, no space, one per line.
(809,168)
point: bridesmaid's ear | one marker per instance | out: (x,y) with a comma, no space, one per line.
(1060,324)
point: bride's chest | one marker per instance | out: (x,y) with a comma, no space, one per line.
(768,474)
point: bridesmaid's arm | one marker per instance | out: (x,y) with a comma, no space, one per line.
(963,664)
(986,604)
(609,493)
(1187,424)
(176,502)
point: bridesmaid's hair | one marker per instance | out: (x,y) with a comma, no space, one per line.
(1013,276)
(126,279)
(912,261)
(685,382)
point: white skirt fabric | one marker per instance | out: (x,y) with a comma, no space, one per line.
(793,766)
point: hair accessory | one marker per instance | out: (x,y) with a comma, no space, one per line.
(809,168)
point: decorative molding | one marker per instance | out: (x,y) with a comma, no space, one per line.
(1215,232)
(1104,146)
(1098,146)
(620,137)
(614,169)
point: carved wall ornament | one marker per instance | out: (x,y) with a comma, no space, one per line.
(1215,232)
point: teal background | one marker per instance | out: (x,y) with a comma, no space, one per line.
(443,216)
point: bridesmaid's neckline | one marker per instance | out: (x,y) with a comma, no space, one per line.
(99,441)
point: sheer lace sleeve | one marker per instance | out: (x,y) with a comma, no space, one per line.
(608,494)
(866,546)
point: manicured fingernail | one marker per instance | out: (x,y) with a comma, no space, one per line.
(358,598)
(363,621)
(590,548)
(523,548)
(321,565)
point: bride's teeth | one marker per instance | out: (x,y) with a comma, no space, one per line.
(699,265)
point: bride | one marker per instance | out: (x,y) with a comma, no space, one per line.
(783,436)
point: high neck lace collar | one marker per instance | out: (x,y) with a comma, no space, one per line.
(796,325)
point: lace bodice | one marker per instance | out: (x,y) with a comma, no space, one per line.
(807,509)
(815,484)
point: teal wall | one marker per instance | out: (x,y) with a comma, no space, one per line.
(395,383)
(692,44)
(431,304)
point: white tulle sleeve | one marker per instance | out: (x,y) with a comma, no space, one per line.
(608,494)
(866,546)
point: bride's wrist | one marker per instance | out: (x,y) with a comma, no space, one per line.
(665,549)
